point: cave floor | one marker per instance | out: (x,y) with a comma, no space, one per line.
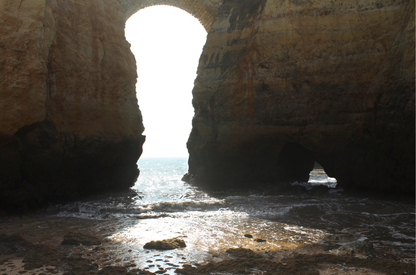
(32,245)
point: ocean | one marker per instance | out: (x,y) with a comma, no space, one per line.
(161,206)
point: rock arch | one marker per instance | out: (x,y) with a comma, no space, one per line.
(203,10)
(70,124)
(272,72)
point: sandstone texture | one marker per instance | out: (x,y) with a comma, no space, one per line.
(282,84)
(204,10)
(69,119)
(70,123)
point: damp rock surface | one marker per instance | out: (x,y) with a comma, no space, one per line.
(80,239)
(355,248)
(166,244)
(29,245)
(242,253)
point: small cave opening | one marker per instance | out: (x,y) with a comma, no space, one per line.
(298,165)
(318,176)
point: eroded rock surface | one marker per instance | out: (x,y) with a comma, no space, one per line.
(69,120)
(73,238)
(282,84)
(356,248)
(167,244)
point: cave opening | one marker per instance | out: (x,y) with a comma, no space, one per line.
(167,43)
(318,176)
(298,164)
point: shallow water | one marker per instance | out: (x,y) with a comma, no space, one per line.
(162,206)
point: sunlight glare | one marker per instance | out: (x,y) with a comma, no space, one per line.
(167,43)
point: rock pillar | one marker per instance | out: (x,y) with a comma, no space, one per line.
(69,121)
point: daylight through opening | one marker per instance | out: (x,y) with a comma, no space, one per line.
(318,176)
(167,43)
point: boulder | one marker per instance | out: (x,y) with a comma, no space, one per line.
(166,244)
(356,248)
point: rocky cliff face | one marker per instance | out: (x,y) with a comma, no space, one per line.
(282,84)
(69,119)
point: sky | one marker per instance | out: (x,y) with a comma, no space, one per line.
(167,43)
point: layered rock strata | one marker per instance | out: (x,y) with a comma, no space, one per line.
(69,119)
(282,84)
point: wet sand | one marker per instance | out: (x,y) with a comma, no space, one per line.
(32,245)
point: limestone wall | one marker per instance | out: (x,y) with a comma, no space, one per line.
(203,10)
(69,120)
(282,84)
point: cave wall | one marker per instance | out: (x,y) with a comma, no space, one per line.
(282,84)
(69,119)
(70,123)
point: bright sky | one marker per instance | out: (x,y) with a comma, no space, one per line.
(167,43)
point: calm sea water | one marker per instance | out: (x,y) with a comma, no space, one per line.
(162,206)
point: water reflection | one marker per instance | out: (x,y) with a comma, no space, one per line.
(210,233)
(161,206)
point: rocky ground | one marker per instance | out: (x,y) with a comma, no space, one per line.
(74,247)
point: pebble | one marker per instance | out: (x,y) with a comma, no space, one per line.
(260,240)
